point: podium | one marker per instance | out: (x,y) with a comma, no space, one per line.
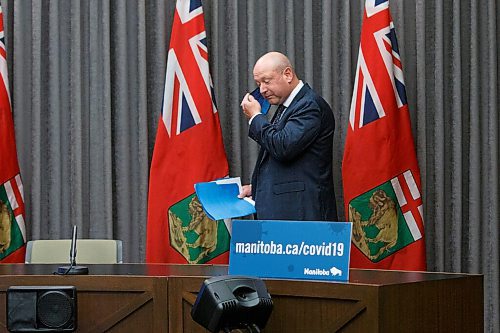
(372,301)
(158,298)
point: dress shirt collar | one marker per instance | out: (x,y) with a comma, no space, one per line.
(294,93)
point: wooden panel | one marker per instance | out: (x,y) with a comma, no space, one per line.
(451,305)
(428,305)
(299,306)
(107,304)
(302,306)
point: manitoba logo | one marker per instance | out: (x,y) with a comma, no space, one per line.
(193,234)
(387,217)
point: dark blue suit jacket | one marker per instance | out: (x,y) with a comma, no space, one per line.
(292,179)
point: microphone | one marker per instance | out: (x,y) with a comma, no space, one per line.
(72,250)
(73,269)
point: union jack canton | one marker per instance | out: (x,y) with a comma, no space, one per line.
(379,84)
(188,84)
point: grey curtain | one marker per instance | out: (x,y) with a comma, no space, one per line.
(87,79)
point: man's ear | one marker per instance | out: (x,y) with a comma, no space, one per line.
(288,74)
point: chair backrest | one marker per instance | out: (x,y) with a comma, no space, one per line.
(88,251)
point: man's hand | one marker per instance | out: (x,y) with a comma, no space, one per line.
(250,106)
(246,191)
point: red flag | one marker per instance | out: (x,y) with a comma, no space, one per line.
(381,178)
(12,227)
(188,150)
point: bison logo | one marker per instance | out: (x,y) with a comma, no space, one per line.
(5,227)
(193,234)
(380,227)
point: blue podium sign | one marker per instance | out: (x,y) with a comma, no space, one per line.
(291,249)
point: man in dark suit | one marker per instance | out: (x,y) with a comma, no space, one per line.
(292,179)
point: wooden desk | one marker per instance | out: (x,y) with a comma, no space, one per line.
(372,301)
(158,298)
(113,298)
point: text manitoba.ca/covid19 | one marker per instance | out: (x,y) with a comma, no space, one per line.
(261,247)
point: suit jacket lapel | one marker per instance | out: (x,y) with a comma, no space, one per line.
(297,97)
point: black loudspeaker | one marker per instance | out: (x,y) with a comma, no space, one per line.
(41,309)
(232,302)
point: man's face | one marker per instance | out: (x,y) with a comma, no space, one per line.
(274,85)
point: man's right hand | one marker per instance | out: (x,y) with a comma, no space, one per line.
(250,106)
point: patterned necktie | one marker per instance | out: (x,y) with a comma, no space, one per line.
(278,113)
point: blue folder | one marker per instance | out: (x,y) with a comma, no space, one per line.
(220,200)
(264,104)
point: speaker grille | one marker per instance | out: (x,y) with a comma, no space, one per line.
(54,309)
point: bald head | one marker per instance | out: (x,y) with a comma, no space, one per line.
(275,76)
(273,61)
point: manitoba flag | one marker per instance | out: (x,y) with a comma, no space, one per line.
(381,179)
(188,149)
(12,228)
